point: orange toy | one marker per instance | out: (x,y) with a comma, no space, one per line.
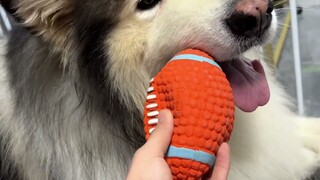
(199,95)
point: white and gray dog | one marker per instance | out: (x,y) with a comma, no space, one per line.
(74,76)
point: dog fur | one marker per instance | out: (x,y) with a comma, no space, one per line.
(73,82)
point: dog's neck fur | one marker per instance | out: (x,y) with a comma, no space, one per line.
(37,77)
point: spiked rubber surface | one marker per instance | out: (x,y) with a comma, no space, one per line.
(200,98)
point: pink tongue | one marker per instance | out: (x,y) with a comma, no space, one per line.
(249,84)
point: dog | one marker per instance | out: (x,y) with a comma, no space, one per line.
(74,77)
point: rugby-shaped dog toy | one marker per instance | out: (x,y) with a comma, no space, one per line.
(200,98)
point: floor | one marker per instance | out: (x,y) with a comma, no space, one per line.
(309,32)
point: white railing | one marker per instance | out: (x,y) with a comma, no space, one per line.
(296,55)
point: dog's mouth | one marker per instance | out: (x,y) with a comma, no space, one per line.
(248,82)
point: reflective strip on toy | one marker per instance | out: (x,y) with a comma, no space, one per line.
(191,154)
(195,58)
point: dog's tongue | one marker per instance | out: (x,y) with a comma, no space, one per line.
(249,84)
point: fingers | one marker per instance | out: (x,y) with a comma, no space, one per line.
(160,138)
(222,165)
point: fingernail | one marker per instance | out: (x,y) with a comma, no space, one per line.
(162,115)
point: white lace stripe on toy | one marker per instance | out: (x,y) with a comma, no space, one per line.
(153,121)
(153,105)
(152,80)
(151,96)
(153,113)
(150,89)
(150,130)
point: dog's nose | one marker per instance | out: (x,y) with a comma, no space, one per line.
(251,18)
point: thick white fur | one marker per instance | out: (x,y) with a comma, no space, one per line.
(271,143)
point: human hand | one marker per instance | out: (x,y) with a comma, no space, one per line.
(222,164)
(149,163)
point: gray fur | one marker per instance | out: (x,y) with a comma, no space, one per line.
(60,124)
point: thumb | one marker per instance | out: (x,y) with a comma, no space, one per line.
(160,138)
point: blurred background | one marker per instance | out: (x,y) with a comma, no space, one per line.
(295,53)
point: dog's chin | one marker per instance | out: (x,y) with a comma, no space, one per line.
(234,49)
